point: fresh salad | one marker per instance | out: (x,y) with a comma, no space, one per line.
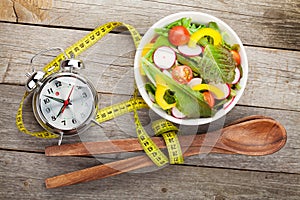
(192,71)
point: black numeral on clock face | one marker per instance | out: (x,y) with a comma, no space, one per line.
(47,100)
(74,121)
(48,110)
(50,91)
(84,95)
(64,122)
(58,83)
(53,118)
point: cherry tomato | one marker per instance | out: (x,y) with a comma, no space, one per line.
(236,57)
(179,35)
(208,97)
(182,74)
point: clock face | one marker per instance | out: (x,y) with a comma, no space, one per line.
(66,102)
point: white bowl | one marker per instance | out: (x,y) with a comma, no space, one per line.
(196,17)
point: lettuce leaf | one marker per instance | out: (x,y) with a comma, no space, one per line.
(186,22)
(188,101)
(217,65)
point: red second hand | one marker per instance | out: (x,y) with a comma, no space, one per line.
(70,93)
(66,102)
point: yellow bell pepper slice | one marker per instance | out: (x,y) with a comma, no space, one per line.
(217,92)
(195,37)
(145,50)
(161,88)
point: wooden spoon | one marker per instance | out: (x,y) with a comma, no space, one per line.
(250,137)
(132,144)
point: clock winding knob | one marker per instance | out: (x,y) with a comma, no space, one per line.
(33,80)
(70,64)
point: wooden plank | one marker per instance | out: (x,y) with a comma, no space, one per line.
(272,90)
(271,23)
(286,160)
(109,70)
(23,175)
(7,10)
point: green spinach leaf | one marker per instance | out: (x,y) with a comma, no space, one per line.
(217,65)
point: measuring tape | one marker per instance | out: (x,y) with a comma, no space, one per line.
(161,127)
(168,131)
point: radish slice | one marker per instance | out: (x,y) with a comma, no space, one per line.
(164,57)
(166,72)
(225,88)
(227,104)
(177,114)
(190,51)
(194,81)
(237,76)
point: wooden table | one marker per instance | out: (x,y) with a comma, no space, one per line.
(270,31)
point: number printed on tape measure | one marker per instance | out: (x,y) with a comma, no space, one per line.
(168,131)
(173,147)
(153,152)
(162,126)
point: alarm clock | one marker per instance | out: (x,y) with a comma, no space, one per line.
(65,102)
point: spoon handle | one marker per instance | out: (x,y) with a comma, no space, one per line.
(115,168)
(98,172)
(117,146)
(132,144)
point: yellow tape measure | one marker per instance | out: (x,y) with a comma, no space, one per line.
(163,127)
(153,152)
(168,131)
(84,43)
(119,109)
(21,127)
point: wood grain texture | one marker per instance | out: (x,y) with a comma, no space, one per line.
(7,10)
(109,70)
(262,23)
(98,172)
(286,160)
(270,29)
(172,182)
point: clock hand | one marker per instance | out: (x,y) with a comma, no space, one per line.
(68,99)
(61,111)
(66,103)
(55,99)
